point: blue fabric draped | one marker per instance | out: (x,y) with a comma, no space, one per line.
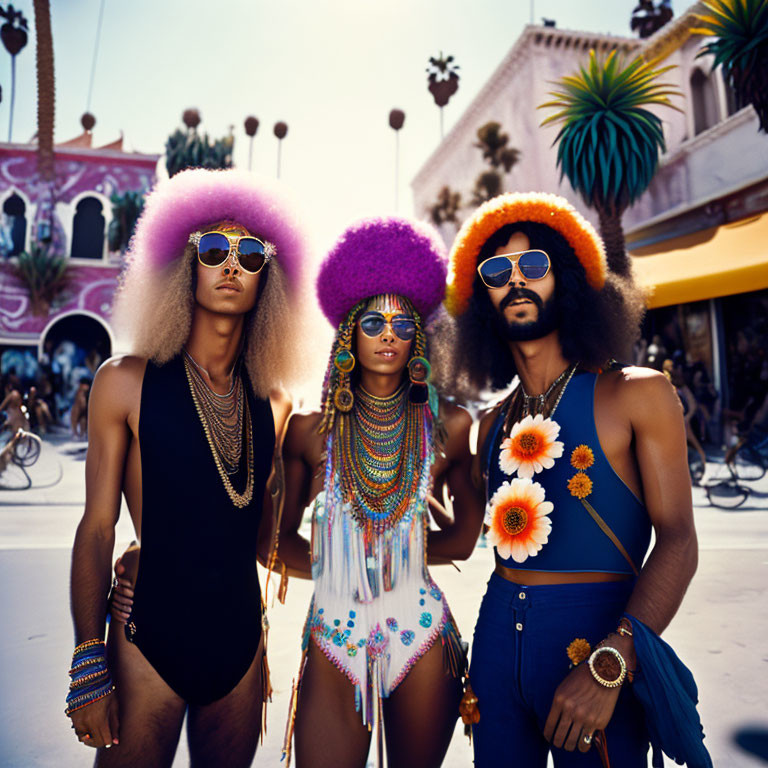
(666,689)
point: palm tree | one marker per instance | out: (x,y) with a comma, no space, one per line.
(492,143)
(740,47)
(46,91)
(188,149)
(443,81)
(446,208)
(14,36)
(609,143)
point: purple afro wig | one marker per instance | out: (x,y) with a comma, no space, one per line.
(199,197)
(383,255)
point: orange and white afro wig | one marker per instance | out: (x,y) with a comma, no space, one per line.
(538,207)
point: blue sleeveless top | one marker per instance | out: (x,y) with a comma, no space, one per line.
(576,543)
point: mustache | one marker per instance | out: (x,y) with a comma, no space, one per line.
(516,293)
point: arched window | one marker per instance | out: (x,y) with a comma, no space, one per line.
(705,113)
(14,234)
(88,230)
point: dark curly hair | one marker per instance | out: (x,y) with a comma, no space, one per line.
(593,326)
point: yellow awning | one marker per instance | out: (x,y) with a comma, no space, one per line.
(721,261)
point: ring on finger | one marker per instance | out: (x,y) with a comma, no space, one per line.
(587,738)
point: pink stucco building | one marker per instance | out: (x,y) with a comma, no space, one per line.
(80,213)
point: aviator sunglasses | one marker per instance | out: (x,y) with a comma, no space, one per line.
(213,249)
(373,324)
(496,271)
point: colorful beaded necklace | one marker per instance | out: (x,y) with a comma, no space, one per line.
(380,448)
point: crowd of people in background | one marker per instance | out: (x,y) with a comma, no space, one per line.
(714,423)
(49,394)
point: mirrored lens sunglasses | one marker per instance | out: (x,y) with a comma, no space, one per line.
(532,265)
(373,324)
(213,249)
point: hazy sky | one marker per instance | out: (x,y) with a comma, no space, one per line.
(331,69)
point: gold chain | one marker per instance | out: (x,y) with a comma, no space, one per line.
(240,500)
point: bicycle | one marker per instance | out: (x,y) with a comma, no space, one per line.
(749,457)
(21,451)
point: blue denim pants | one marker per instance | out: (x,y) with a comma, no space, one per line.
(518,660)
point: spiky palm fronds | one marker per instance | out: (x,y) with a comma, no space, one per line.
(740,48)
(44,274)
(609,143)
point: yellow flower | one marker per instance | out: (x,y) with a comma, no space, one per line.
(517,520)
(580,485)
(578,651)
(582,457)
(531,446)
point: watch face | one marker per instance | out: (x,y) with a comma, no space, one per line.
(608,667)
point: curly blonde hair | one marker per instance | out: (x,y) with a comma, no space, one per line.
(153,312)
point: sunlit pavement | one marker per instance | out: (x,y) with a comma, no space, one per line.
(721,631)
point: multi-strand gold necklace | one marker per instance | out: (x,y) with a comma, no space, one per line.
(226,422)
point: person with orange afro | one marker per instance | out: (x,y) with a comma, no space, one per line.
(581,461)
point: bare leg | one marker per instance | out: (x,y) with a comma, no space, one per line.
(150,713)
(329,730)
(421,713)
(226,733)
(694,441)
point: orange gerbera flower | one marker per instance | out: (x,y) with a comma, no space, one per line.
(582,457)
(517,519)
(531,446)
(580,485)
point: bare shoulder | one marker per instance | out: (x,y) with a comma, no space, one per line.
(457,423)
(119,378)
(281,404)
(487,417)
(455,417)
(302,432)
(642,392)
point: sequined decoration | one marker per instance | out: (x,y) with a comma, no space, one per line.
(227,424)
(380,449)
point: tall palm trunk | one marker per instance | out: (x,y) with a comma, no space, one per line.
(46,93)
(612,232)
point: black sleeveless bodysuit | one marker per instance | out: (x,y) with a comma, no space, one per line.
(196,614)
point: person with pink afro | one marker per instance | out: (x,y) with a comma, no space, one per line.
(381,649)
(185,428)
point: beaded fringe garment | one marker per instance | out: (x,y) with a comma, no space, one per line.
(376,611)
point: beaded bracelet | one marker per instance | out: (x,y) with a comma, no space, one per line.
(91,680)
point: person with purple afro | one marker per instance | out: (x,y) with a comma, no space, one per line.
(380,646)
(184,427)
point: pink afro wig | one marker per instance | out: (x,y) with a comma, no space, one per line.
(199,197)
(383,255)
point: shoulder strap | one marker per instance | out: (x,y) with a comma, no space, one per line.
(606,529)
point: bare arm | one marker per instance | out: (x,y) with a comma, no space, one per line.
(293,549)
(658,430)
(116,387)
(661,455)
(458,539)
(273,493)
(116,392)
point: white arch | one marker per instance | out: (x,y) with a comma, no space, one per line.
(66,213)
(29,210)
(86,313)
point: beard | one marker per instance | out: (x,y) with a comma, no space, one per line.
(546,319)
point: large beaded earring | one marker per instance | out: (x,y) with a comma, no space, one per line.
(419,370)
(344,362)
